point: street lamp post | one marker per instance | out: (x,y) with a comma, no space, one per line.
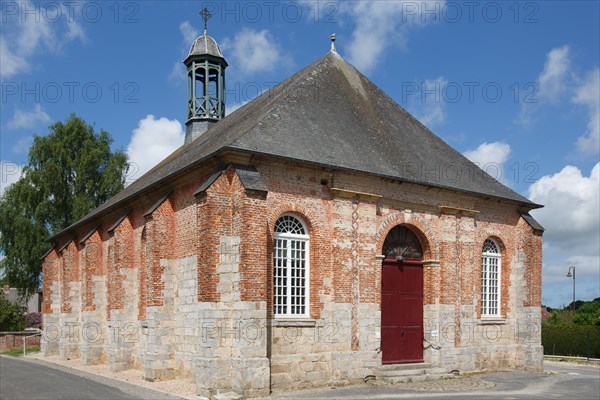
(568,276)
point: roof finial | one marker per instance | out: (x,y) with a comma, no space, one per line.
(333,43)
(205,14)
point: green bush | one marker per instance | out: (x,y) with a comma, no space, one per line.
(571,340)
(12,318)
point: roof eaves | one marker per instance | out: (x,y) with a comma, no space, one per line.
(531,221)
(251,178)
(136,194)
(118,222)
(528,205)
(89,234)
(157,204)
(48,252)
(64,246)
(208,182)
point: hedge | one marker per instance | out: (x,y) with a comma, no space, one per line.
(571,340)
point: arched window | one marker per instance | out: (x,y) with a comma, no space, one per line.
(291,268)
(402,243)
(490,279)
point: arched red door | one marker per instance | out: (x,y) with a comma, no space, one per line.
(402,298)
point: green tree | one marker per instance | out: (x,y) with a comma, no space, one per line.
(587,313)
(12,317)
(70,172)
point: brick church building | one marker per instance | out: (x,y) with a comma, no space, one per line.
(318,235)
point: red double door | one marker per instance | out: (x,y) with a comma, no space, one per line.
(401,311)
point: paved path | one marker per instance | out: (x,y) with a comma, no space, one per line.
(559,381)
(22,379)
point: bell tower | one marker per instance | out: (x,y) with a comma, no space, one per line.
(205,84)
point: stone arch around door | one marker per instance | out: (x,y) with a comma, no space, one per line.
(418,225)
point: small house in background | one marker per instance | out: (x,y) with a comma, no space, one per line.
(32,304)
(546,313)
(318,235)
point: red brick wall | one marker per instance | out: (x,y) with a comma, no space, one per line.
(91,257)
(184,205)
(185,225)
(250,210)
(160,244)
(121,258)
(214,220)
(69,273)
(14,340)
(143,274)
(50,270)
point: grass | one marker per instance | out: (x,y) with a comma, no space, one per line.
(19,352)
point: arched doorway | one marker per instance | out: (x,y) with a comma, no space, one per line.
(402,298)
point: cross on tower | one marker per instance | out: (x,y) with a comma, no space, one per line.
(205,14)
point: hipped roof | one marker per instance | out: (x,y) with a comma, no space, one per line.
(329,114)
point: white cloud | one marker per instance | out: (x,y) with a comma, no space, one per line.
(23,145)
(430,107)
(178,73)
(189,33)
(26,36)
(10,172)
(553,79)
(28,119)
(234,106)
(557,82)
(380,25)
(490,157)
(552,83)
(572,207)
(571,216)
(254,51)
(588,94)
(152,141)
(10,63)
(75,31)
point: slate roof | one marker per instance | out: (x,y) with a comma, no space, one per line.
(330,114)
(531,221)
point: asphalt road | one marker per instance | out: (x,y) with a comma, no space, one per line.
(35,380)
(22,379)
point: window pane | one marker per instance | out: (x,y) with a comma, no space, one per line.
(490,285)
(289,224)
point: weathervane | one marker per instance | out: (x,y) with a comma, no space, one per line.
(333,42)
(205,14)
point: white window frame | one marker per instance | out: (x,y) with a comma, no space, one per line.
(487,261)
(289,237)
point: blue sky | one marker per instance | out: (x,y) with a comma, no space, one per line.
(512,85)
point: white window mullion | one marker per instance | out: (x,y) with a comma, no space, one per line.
(484,284)
(289,275)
